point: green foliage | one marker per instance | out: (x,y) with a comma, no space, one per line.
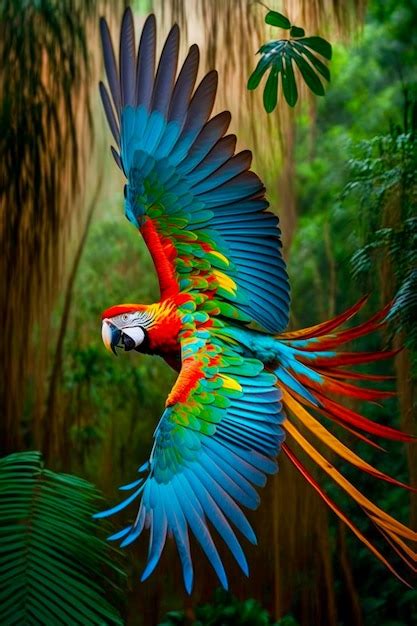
(365,100)
(226,610)
(277,19)
(288,620)
(383,180)
(404,309)
(45,127)
(281,56)
(54,566)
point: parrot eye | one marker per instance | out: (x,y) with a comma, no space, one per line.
(125,317)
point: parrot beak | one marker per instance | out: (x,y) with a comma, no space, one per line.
(110,335)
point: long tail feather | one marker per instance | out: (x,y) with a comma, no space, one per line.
(312,384)
(333,506)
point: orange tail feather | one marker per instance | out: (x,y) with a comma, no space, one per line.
(311,359)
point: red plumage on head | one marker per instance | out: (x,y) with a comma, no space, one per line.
(119,309)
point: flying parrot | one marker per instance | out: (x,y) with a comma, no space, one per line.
(246,389)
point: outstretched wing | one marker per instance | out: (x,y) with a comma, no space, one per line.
(216,441)
(200,209)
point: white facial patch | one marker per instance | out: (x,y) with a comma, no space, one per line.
(136,333)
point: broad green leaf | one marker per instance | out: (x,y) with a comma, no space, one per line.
(309,75)
(318,44)
(272,46)
(319,65)
(256,76)
(271,90)
(296,31)
(277,19)
(289,86)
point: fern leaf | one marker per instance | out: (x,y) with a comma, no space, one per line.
(52,561)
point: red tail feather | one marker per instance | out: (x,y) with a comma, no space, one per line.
(328,378)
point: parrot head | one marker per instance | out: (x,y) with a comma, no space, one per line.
(125,326)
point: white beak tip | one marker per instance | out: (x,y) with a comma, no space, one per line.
(106,335)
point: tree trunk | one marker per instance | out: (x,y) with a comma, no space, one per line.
(51,417)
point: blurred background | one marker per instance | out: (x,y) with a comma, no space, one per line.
(340,173)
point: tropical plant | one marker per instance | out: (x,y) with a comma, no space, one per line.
(55,568)
(45,128)
(226,610)
(281,56)
(383,180)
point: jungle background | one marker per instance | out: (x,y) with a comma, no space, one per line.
(341,174)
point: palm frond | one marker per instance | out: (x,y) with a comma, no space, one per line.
(54,567)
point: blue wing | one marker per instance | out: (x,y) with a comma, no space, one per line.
(176,157)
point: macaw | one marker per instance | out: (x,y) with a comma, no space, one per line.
(244,383)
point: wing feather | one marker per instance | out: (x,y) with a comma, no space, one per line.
(207,140)
(108,109)
(203,465)
(184,87)
(201,105)
(165,75)
(127,59)
(110,65)
(187,185)
(145,64)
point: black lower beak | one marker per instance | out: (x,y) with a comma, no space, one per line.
(115,338)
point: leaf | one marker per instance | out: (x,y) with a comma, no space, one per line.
(54,567)
(256,76)
(309,75)
(285,50)
(297,31)
(277,19)
(289,85)
(272,46)
(318,44)
(319,65)
(271,90)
